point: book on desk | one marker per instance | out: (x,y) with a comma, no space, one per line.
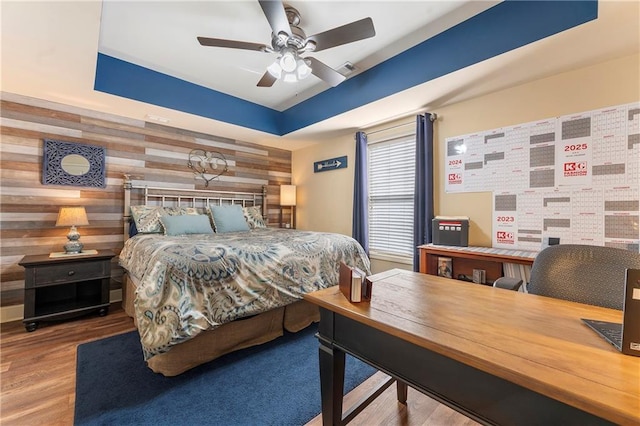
(354,284)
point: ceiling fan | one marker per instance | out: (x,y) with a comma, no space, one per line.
(290,42)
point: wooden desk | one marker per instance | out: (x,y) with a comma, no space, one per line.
(497,356)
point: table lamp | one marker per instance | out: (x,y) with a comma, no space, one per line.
(72,216)
(288,199)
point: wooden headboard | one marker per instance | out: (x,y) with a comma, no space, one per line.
(180,197)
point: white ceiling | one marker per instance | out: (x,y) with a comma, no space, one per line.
(162,36)
(49,51)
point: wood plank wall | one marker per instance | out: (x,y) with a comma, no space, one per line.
(152,154)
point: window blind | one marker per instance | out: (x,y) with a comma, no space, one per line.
(391,183)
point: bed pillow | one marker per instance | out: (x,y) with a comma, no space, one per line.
(253,216)
(147,218)
(228,218)
(133,231)
(186,224)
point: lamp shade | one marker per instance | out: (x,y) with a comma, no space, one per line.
(72,216)
(287,195)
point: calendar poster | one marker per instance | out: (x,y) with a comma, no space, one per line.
(575,177)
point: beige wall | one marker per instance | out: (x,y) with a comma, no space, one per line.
(325,198)
(610,83)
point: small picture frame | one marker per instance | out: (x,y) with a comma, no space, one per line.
(445,267)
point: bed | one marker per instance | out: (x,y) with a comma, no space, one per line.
(196,294)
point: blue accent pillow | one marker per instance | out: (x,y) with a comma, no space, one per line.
(133,230)
(229,218)
(186,224)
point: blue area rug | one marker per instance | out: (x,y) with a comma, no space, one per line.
(277,383)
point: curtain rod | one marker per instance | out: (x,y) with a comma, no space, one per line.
(432,116)
(390,128)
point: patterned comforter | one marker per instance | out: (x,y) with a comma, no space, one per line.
(188,284)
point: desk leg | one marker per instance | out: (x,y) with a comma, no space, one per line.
(401,388)
(331,382)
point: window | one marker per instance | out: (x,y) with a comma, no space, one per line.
(391,183)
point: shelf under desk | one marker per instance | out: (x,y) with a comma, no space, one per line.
(465,259)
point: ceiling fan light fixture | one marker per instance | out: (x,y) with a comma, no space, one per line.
(289,67)
(288,61)
(289,77)
(275,69)
(303,71)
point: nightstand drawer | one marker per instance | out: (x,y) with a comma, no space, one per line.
(67,272)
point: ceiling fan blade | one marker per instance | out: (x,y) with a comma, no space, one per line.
(267,80)
(218,42)
(348,33)
(325,72)
(277,17)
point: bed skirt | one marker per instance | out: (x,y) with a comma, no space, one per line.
(227,338)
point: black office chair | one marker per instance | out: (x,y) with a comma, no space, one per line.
(586,274)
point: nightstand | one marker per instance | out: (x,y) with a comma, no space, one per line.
(65,287)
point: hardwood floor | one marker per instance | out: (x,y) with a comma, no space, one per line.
(38,369)
(37,375)
(386,410)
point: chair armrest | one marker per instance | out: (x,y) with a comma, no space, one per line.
(508,283)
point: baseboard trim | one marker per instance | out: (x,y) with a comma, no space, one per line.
(16,312)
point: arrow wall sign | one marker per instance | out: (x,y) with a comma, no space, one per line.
(330,164)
